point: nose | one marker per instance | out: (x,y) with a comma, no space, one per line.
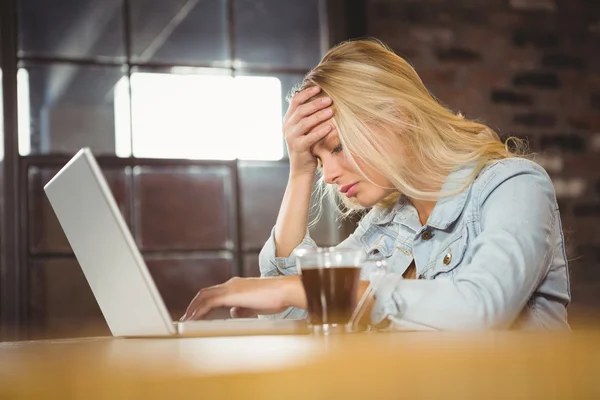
(332,170)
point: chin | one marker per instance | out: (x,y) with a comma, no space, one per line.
(366,202)
(369,200)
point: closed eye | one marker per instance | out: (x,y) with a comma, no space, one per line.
(337,149)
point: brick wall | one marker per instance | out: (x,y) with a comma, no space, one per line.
(529,68)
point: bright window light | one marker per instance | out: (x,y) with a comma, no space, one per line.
(23,111)
(23,114)
(1,119)
(199,117)
(122,119)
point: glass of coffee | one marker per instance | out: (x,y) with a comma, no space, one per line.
(330,278)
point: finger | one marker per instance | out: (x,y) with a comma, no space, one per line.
(242,312)
(308,123)
(191,307)
(311,138)
(201,311)
(309,108)
(205,307)
(301,97)
(207,297)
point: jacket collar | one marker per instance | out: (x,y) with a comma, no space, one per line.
(448,209)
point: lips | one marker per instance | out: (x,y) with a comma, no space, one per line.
(348,190)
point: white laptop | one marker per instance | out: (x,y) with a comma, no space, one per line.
(114,267)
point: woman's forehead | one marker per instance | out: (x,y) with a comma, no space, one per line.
(324,141)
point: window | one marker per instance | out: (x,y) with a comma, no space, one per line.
(23,113)
(1,118)
(167,79)
(199,117)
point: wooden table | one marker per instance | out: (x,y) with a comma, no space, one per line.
(503,365)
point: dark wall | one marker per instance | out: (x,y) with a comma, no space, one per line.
(530,69)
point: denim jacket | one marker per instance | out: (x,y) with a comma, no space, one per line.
(489,257)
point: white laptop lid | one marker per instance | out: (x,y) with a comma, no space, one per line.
(106,251)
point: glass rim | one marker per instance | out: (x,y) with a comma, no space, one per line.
(329,266)
(326,250)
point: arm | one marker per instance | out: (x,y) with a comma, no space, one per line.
(305,123)
(292,220)
(510,258)
(272,296)
(290,231)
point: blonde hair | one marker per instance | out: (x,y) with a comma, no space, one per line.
(380,104)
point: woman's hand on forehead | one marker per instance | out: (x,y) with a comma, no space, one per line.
(305,124)
(325,139)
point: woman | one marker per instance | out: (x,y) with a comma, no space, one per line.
(470,229)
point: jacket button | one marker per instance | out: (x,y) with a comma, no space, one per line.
(426,235)
(448,258)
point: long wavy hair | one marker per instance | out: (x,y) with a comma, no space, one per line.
(380,105)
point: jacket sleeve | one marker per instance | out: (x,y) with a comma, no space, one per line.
(270,265)
(518,213)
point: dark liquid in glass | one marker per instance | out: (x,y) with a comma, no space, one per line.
(330,293)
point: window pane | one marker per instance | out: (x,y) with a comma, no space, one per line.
(206,116)
(71,28)
(1,114)
(70,107)
(188,31)
(24,130)
(23,110)
(288,82)
(1,118)
(277,33)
